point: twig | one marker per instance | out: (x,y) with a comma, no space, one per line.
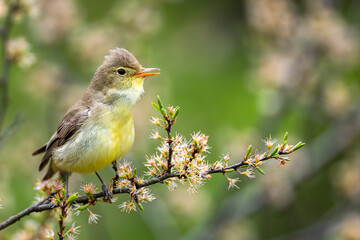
(117,177)
(5,31)
(240,164)
(169,123)
(61,220)
(42,206)
(38,207)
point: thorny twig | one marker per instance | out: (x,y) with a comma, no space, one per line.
(44,205)
(169,123)
(38,207)
(169,120)
(196,148)
(61,221)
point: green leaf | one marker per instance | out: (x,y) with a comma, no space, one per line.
(286,159)
(63,191)
(134,171)
(82,208)
(140,206)
(297,146)
(72,198)
(274,152)
(156,107)
(176,113)
(163,111)
(57,199)
(196,144)
(248,151)
(260,170)
(161,105)
(285,138)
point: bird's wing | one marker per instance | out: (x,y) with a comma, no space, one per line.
(68,127)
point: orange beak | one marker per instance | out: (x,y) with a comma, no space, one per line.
(145,72)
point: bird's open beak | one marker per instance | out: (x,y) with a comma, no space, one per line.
(145,72)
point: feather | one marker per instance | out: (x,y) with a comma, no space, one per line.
(68,128)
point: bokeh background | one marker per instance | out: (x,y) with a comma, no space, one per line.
(239,70)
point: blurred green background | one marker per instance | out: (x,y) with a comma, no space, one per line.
(239,70)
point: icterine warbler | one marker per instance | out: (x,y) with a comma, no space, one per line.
(98,129)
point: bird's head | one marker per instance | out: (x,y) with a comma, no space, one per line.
(121,77)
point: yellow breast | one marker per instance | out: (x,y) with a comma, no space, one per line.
(116,142)
(104,138)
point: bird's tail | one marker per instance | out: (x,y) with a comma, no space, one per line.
(40,150)
(49,173)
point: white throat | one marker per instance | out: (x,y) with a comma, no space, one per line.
(129,96)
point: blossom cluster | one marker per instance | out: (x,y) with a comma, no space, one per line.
(177,160)
(127,178)
(71,234)
(187,159)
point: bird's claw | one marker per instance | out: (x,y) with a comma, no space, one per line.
(108,193)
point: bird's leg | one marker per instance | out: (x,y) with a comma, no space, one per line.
(105,188)
(67,185)
(64,176)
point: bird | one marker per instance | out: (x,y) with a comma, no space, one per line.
(99,128)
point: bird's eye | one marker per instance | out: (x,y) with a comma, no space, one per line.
(121,71)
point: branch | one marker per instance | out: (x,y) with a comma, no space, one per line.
(38,207)
(179,159)
(45,205)
(169,123)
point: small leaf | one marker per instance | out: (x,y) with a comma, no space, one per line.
(285,138)
(176,113)
(72,198)
(156,107)
(163,111)
(286,159)
(82,208)
(140,206)
(260,170)
(297,146)
(248,152)
(274,152)
(196,144)
(229,170)
(63,191)
(161,105)
(57,199)
(134,171)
